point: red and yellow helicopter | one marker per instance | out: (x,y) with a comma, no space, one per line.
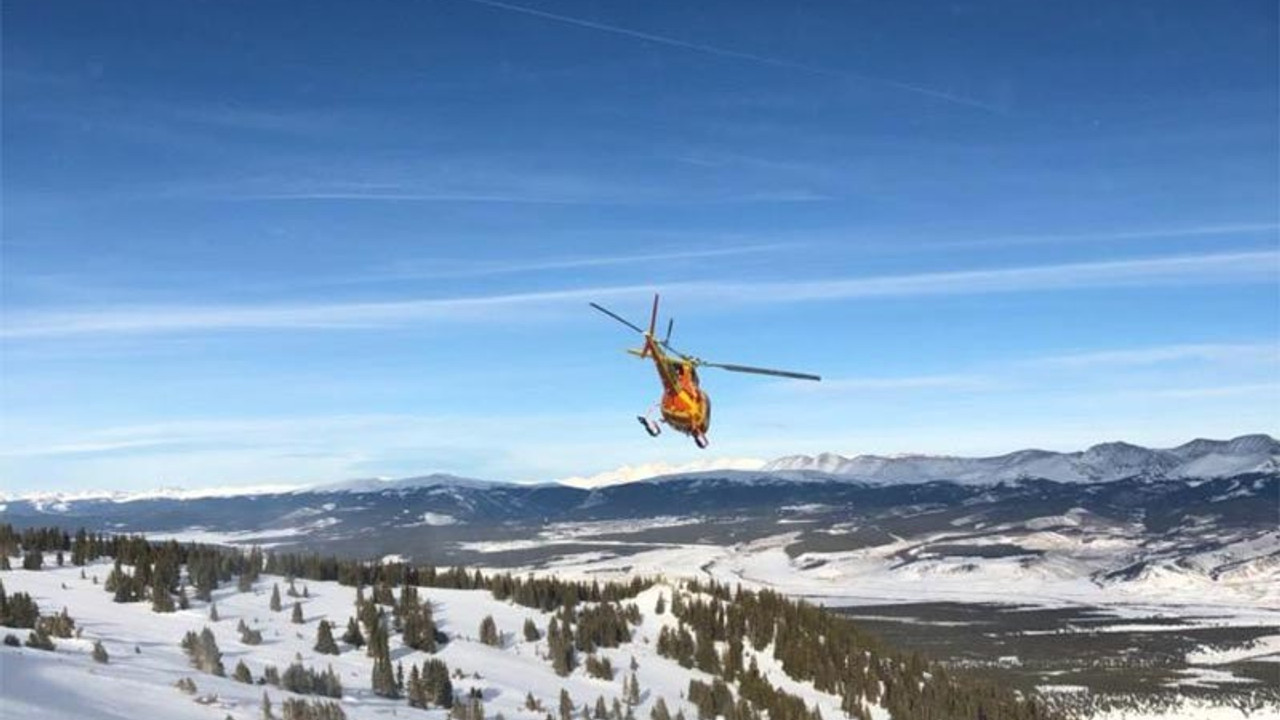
(685,406)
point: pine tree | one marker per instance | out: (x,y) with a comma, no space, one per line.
(531,633)
(242,673)
(324,639)
(266,707)
(297,618)
(353,635)
(437,686)
(566,705)
(660,608)
(100,653)
(32,560)
(213,612)
(161,600)
(249,636)
(660,711)
(489,632)
(384,680)
(631,689)
(560,645)
(39,640)
(601,712)
(416,690)
(275,598)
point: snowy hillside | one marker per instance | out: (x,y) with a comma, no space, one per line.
(1100,463)
(145,660)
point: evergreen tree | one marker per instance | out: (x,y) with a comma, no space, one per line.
(566,705)
(560,646)
(203,652)
(275,598)
(249,636)
(489,632)
(267,714)
(353,635)
(416,690)
(242,673)
(658,609)
(599,667)
(38,639)
(100,653)
(660,711)
(384,680)
(531,633)
(325,644)
(32,560)
(213,612)
(631,690)
(297,618)
(161,600)
(437,686)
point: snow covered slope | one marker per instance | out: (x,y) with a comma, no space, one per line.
(1100,463)
(146,660)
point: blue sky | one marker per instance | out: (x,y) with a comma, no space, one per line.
(246,244)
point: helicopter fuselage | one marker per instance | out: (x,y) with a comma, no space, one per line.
(685,406)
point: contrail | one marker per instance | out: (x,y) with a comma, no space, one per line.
(739,55)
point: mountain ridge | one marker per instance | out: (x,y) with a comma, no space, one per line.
(1102,462)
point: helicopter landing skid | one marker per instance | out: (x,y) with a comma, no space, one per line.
(650,426)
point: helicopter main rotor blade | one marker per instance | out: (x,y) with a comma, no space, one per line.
(617,317)
(761,371)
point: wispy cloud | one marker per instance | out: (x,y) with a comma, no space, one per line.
(1209,352)
(422,269)
(717,51)
(530,196)
(1212,230)
(1262,391)
(82,448)
(1181,270)
(1177,269)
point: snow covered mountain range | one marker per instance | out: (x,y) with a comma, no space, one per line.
(1101,463)
(1212,507)
(1105,462)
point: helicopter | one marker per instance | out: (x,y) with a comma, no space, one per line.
(684,406)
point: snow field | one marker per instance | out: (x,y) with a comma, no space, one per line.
(67,684)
